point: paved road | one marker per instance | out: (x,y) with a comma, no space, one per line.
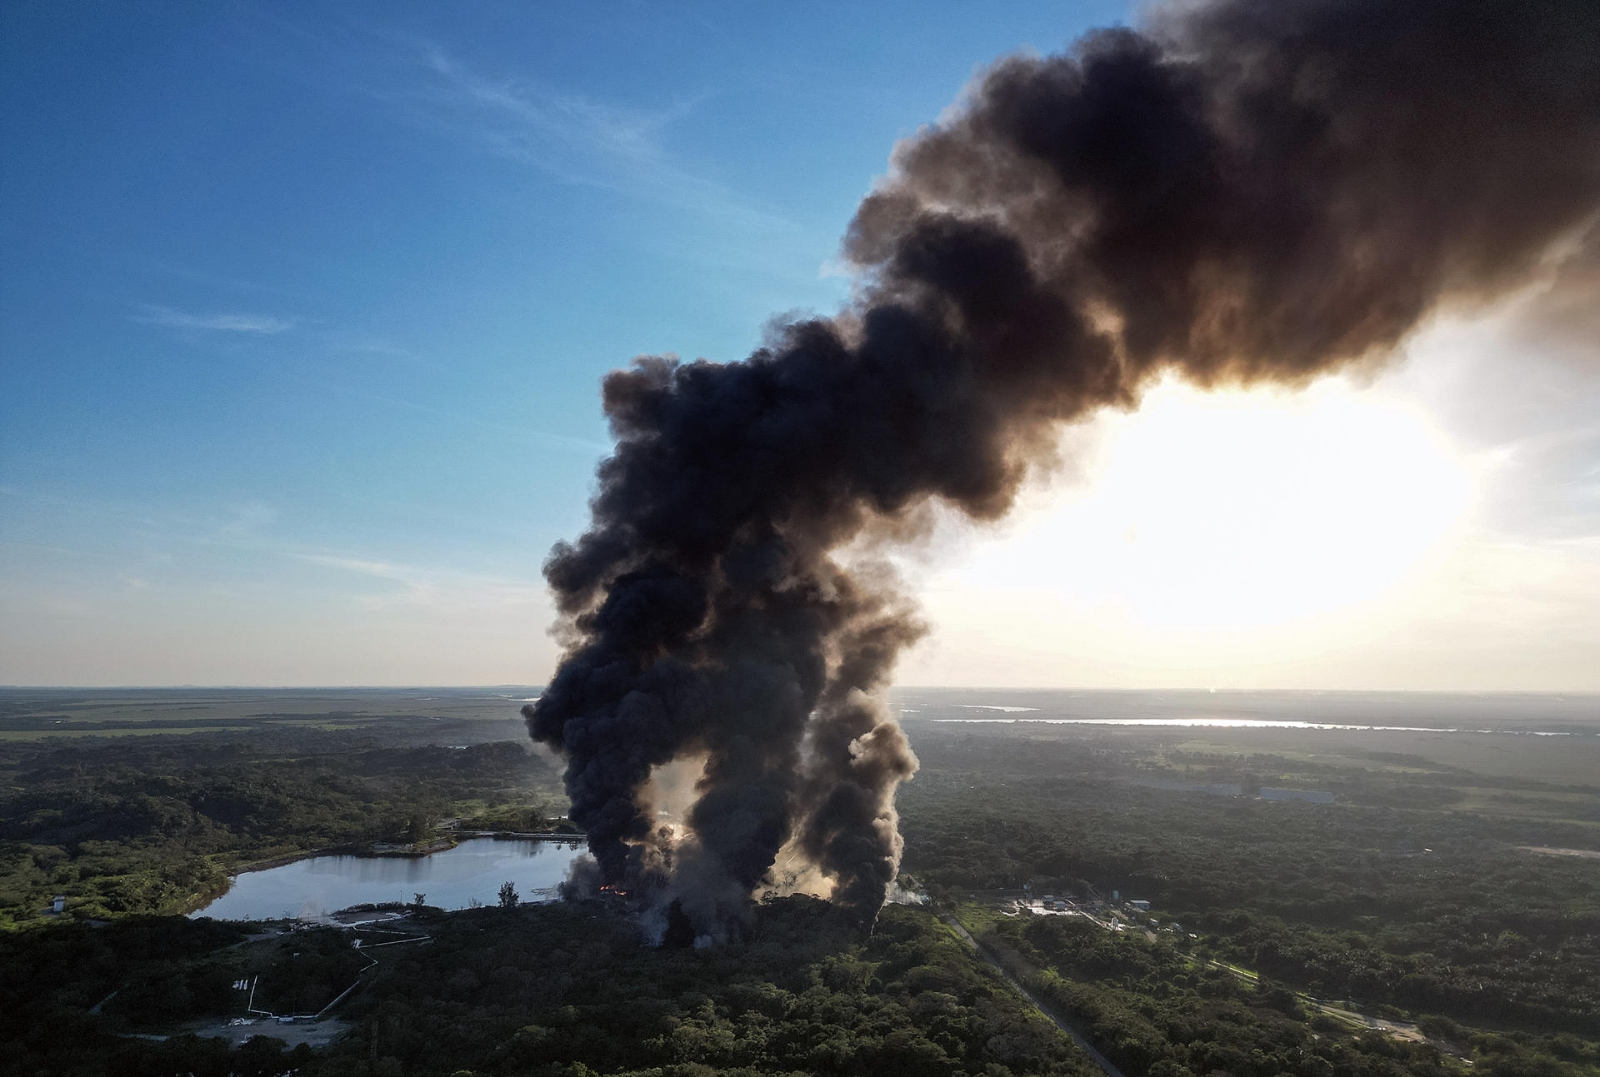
(1094,1056)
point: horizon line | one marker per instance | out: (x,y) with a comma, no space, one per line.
(893,688)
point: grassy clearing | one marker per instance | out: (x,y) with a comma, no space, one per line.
(24,735)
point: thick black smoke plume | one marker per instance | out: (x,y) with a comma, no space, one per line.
(1241,190)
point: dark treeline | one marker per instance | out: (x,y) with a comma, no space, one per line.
(564,991)
(153,824)
(1429,910)
(1152,1009)
(1407,896)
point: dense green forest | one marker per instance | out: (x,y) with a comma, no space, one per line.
(1154,1008)
(551,990)
(572,990)
(1432,911)
(1417,924)
(154,824)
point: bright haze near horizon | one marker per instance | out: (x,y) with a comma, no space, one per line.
(303,314)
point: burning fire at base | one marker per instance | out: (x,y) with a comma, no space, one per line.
(1236,192)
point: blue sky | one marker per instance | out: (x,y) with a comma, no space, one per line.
(303,308)
(283,282)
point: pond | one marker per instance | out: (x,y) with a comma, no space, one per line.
(472,871)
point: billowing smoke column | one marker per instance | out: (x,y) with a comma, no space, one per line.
(1240,191)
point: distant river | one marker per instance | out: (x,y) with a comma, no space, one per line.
(452,879)
(1233,723)
(1564,716)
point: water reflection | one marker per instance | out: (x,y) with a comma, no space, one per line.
(473,871)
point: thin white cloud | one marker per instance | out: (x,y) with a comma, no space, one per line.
(562,441)
(383,570)
(574,138)
(342,342)
(247,519)
(442,590)
(224,322)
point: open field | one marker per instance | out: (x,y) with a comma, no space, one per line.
(1514,773)
(478,713)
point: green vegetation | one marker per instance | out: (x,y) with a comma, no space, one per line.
(68,714)
(553,990)
(1427,910)
(154,824)
(1401,929)
(1151,1008)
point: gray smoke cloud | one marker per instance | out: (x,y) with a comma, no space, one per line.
(1237,191)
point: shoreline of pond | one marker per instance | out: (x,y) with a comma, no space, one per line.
(376,853)
(370,850)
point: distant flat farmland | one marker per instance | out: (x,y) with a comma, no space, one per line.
(32,714)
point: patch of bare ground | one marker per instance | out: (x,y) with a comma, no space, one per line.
(1546,850)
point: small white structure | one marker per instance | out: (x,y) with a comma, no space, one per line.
(1142,906)
(59,905)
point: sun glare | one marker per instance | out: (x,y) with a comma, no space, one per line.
(1239,509)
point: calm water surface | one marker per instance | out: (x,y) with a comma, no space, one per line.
(453,879)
